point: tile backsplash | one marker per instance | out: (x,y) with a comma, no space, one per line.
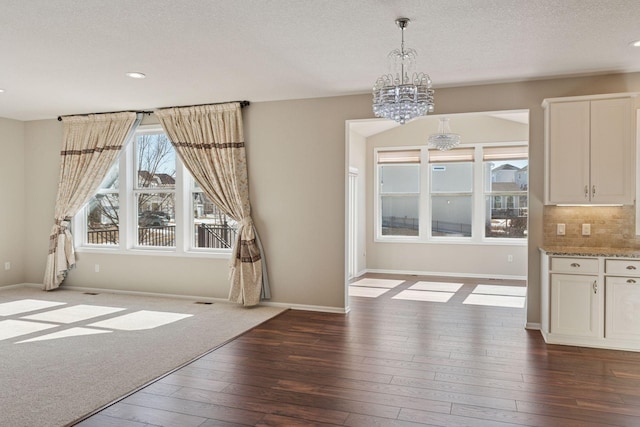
(611,226)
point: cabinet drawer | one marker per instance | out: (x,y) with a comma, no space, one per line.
(574,265)
(626,267)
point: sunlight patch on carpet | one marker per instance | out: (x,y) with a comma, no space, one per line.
(25,305)
(430,296)
(360,291)
(378,283)
(140,320)
(16,328)
(436,286)
(73,332)
(75,313)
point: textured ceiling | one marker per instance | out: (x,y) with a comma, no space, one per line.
(70,56)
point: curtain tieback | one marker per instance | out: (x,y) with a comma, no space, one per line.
(64,222)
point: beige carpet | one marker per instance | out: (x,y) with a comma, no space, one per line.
(64,354)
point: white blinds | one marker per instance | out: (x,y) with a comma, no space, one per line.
(514,152)
(399,156)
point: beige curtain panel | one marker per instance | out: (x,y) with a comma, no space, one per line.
(91,144)
(209,140)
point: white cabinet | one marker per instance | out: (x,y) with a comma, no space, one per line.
(589,150)
(622,299)
(575,296)
(591,301)
(575,305)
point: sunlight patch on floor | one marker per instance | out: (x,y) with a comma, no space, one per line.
(436,286)
(431,296)
(495,300)
(360,291)
(26,305)
(73,332)
(74,313)
(378,283)
(16,328)
(140,320)
(517,291)
(58,317)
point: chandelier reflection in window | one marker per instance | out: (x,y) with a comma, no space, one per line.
(444,140)
(402,94)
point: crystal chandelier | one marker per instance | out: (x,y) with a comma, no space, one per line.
(444,140)
(402,94)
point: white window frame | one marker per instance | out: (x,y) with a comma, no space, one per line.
(478,206)
(378,198)
(128,240)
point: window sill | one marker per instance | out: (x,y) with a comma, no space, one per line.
(457,241)
(154,252)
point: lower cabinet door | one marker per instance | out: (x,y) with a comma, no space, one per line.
(574,305)
(622,307)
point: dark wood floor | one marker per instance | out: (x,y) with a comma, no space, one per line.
(392,363)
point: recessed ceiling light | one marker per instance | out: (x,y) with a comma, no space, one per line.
(136,75)
(635,43)
(1,90)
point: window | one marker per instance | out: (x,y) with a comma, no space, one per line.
(451,192)
(469,194)
(506,183)
(399,190)
(150,201)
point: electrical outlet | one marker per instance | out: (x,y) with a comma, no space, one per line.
(586,229)
(509,258)
(7,265)
(97,268)
(560,229)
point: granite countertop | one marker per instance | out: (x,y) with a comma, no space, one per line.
(589,251)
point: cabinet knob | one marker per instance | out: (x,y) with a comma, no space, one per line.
(586,191)
(575,264)
(593,191)
(631,281)
(631,267)
(595,287)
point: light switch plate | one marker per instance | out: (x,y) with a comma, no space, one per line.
(586,229)
(560,229)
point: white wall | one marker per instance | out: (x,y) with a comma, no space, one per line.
(12,201)
(357,159)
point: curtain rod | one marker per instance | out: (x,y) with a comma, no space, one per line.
(242,105)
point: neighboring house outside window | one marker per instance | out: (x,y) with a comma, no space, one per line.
(148,201)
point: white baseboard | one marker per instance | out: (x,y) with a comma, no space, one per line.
(21,285)
(305,307)
(534,326)
(447,274)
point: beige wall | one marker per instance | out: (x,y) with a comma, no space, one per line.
(296,160)
(12,201)
(441,258)
(296,154)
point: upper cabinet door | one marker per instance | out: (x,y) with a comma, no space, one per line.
(568,140)
(612,154)
(589,150)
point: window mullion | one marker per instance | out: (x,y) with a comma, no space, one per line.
(424,225)
(127,199)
